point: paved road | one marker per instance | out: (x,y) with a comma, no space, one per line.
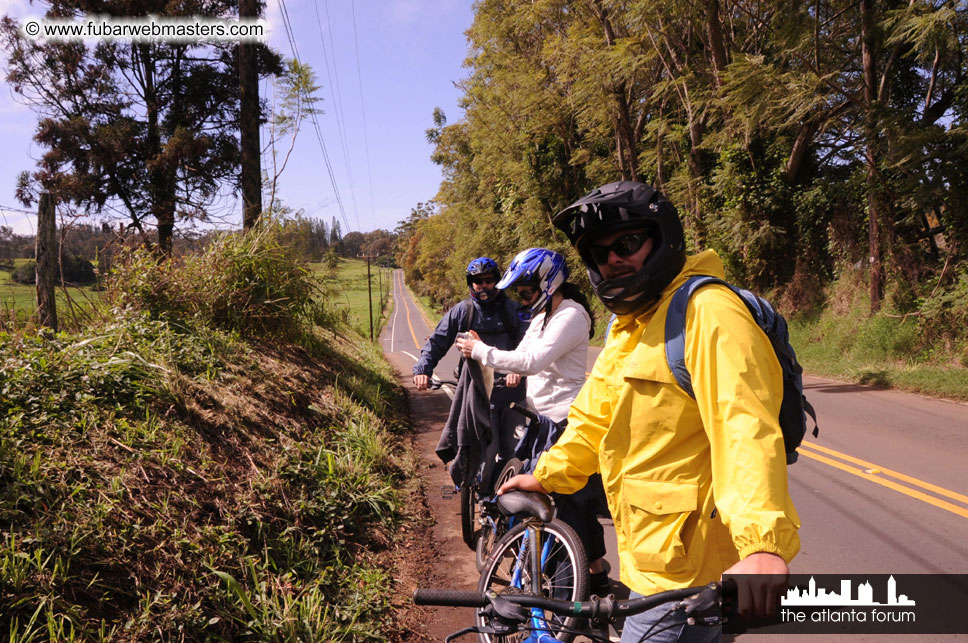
(883,490)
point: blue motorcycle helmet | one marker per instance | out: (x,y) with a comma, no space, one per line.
(478,269)
(538,268)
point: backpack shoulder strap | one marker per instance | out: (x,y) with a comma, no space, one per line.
(509,329)
(675,329)
(468,314)
(608,328)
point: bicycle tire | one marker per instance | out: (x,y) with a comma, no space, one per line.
(484,546)
(491,533)
(511,469)
(468,503)
(564,576)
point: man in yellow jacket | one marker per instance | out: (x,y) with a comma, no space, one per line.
(696,487)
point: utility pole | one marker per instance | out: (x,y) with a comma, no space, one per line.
(369,291)
(46,255)
(249,123)
(379,279)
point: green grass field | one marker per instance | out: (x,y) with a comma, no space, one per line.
(346,288)
(18,302)
(347,291)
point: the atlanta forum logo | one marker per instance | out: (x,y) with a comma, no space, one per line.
(819,605)
(869,603)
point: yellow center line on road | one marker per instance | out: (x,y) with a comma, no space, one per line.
(941,491)
(403,296)
(877,479)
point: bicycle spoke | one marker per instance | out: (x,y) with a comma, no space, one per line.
(510,570)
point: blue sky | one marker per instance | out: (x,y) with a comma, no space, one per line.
(410,54)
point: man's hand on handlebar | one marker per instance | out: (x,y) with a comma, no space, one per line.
(522,482)
(421,381)
(761,580)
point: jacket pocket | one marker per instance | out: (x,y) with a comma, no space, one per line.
(655,515)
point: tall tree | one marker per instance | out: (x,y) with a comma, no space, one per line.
(295,100)
(335,236)
(797,138)
(147,130)
(251,160)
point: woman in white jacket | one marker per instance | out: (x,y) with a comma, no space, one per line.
(552,354)
(553,351)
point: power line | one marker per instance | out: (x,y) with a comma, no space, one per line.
(18,210)
(334,89)
(366,142)
(5,209)
(319,136)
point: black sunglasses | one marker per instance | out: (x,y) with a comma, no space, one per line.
(485,281)
(625,246)
(526,295)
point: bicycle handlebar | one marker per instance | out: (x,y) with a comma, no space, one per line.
(450,597)
(704,604)
(523,410)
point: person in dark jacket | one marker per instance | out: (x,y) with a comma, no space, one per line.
(488,311)
(496,319)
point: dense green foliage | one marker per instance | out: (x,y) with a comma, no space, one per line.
(249,283)
(168,473)
(925,351)
(73,269)
(808,143)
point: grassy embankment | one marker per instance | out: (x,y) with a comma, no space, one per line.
(217,457)
(921,351)
(903,351)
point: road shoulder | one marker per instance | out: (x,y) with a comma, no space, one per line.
(451,563)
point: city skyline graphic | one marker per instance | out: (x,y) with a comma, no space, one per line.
(819,596)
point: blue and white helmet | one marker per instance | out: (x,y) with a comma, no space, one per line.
(478,268)
(538,267)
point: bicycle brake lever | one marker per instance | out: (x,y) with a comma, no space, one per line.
(705,608)
(508,611)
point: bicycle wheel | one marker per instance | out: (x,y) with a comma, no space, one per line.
(563,574)
(484,545)
(493,524)
(468,517)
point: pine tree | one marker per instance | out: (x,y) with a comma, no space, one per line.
(149,130)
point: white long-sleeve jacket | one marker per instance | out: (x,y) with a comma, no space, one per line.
(553,358)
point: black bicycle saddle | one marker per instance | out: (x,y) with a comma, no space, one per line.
(527,503)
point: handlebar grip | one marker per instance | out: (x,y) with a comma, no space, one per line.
(523,410)
(449,597)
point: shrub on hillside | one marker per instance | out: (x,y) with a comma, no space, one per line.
(145,496)
(26,273)
(249,283)
(944,315)
(74,269)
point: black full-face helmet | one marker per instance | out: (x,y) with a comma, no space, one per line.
(627,205)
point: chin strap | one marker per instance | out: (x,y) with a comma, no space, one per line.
(547,311)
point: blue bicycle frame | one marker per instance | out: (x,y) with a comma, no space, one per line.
(539,632)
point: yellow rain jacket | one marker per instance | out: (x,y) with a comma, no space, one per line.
(693,485)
